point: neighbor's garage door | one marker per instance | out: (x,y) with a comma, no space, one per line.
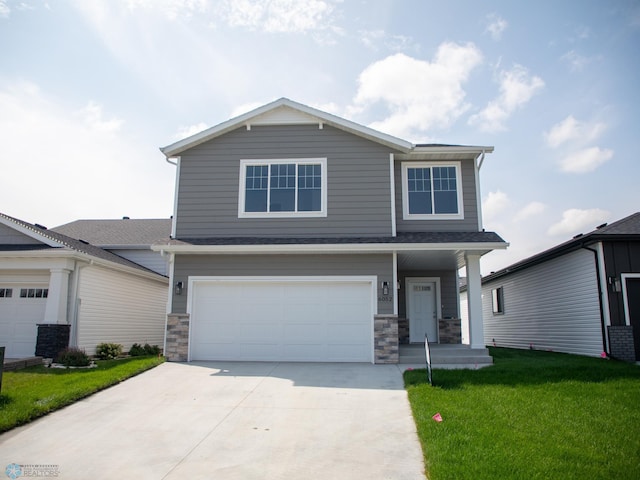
(308,321)
(21,309)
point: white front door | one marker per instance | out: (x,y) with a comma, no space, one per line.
(421,309)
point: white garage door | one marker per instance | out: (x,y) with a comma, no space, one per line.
(21,309)
(292,320)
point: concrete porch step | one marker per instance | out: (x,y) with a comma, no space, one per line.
(446,356)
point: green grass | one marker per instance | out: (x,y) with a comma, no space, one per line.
(33,392)
(533,415)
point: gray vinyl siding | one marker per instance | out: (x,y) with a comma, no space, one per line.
(116,307)
(358,188)
(448,291)
(469,200)
(552,306)
(283,265)
(9,236)
(147,258)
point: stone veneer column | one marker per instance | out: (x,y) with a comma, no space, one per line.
(385,339)
(621,342)
(177,341)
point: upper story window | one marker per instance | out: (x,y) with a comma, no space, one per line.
(431,191)
(283,188)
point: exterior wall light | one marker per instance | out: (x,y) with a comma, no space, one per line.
(178,289)
(385,288)
(615,284)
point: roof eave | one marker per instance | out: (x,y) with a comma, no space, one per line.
(329,248)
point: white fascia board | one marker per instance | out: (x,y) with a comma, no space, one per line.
(454,149)
(323,117)
(327,248)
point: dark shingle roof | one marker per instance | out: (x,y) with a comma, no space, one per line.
(70,243)
(125,232)
(625,229)
(421,237)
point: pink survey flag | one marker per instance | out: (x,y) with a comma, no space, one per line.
(437,417)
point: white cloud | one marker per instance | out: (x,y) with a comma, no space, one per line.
(187,131)
(572,130)
(577,62)
(92,115)
(530,210)
(278,16)
(576,221)
(494,203)
(419,95)
(374,39)
(585,160)
(517,87)
(69,164)
(496,25)
(4,9)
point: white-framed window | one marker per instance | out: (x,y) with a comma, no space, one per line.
(432,190)
(497,300)
(34,292)
(283,188)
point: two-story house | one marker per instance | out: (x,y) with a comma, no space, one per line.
(301,236)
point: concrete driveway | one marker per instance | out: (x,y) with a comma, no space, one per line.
(231,420)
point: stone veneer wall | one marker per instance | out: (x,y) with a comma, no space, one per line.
(403,331)
(449,331)
(621,342)
(385,339)
(52,339)
(177,344)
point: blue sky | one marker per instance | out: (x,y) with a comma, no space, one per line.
(90,89)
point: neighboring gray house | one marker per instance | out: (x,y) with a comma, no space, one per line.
(582,296)
(68,285)
(129,238)
(302,236)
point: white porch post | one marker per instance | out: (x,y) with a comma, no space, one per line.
(56,309)
(474,300)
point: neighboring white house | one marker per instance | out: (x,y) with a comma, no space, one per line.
(581,297)
(50,278)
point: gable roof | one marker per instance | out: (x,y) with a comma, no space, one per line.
(287,112)
(53,240)
(625,229)
(126,232)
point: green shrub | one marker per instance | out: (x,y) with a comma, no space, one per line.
(138,350)
(108,351)
(73,357)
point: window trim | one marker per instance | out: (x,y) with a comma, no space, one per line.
(282,161)
(497,300)
(431,216)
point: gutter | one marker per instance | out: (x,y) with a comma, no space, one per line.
(600,293)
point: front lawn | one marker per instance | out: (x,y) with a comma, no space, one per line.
(533,415)
(32,392)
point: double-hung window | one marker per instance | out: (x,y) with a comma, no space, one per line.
(431,191)
(283,188)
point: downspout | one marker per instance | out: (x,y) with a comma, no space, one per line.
(600,293)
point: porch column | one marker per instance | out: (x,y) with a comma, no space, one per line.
(56,309)
(474,300)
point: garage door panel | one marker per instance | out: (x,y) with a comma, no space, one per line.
(282,320)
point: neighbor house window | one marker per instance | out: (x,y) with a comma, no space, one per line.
(497,299)
(283,188)
(431,190)
(34,292)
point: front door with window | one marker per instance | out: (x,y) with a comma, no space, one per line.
(422,311)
